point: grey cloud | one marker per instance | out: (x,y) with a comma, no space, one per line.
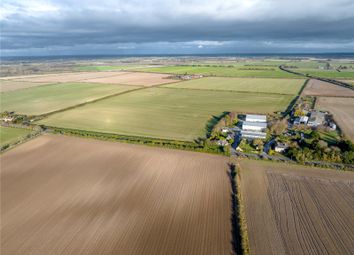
(99,24)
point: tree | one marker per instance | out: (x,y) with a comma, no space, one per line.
(258,143)
(279,127)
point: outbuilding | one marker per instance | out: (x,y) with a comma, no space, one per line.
(256,118)
(254,126)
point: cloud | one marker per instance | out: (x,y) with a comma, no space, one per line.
(237,25)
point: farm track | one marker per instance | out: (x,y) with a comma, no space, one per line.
(297,210)
(112,199)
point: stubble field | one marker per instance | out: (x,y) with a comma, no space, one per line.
(112,199)
(342,110)
(321,88)
(180,114)
(297,210)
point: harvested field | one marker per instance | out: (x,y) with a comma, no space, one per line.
(342,110)
(11,85)
(144,79)
(256,85)
(44,99)
(68,77)
(321,88)
(294,209)
(112,199)
(179,114)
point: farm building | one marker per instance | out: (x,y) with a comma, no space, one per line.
(281,147)
(256,118)
(253,134)
(253,126)
(316,118)
(301,120)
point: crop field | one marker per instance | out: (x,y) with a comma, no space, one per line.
(239,71)
(135,78)
(342,110)
(9,134)
(67,77)
(44,99)
(258,85)
(180,114)
(321,88)
(294,209)
(107,68)
(11,85)
(112,199)
(327,73)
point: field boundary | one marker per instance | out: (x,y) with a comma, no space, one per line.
(88,102)
(232,91)
(149,141)
(8,146)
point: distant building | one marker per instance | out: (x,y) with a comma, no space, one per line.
(332,126)
(7,119)
(316,118)
(256,118)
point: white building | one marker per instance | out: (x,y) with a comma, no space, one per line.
(256,118)
(253,134)
(254,126)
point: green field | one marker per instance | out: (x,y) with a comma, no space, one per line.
(180,114)
(238,71)
(10,135)
(259,85)
(327,73)
(44,99)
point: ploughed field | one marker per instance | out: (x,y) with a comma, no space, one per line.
(111,198)
(49,98)
(256,85)
(293,209)
(9,134)
(342,110)
(180,114)
(321,88)
(236,71)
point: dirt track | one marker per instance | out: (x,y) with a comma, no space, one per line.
(66,195)
(342,110)
(297,210)
(321,88)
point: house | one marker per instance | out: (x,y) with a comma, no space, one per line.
(316,118)
(254,126)
(256,118)
(222,142)
(332,126)
(7,119)
(281,147)
(301,120)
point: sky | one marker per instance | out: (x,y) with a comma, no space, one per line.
(114,27)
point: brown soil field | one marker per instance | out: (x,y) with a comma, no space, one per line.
(11,85)
(144,79)
(67,195)
(69,77)
(321,88)
(293,209)
(342,110)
